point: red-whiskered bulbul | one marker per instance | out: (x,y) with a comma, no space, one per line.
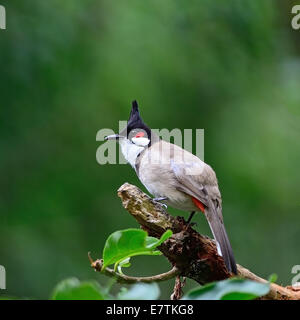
(175,176)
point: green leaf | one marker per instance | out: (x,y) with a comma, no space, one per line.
(140,291)
(230,289)
(123,244)
(152,242)
(73,289)
(273,278)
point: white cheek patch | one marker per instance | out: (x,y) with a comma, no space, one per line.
(130,151)
(142,142)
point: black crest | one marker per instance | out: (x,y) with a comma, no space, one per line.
(136,122)
(135,118)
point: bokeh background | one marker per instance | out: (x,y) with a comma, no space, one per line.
(70,68)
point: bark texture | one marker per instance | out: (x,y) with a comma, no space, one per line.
(193,255)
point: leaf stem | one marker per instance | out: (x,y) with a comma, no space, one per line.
(122,278)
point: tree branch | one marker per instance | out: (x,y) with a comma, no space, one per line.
(192,255)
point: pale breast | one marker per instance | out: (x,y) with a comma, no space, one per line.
(160,181)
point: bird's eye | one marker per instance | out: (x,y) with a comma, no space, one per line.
(139,134)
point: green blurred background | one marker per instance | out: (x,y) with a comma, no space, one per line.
(70,68)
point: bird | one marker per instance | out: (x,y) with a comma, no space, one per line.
(175,177)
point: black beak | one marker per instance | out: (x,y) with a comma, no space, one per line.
(112,137)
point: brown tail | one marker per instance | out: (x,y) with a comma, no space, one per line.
(218,230)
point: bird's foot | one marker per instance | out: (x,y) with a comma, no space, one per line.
(161,199)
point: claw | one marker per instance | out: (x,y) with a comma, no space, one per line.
(157,200)
(164,205)
(160,199)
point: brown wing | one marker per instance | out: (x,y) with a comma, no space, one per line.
(199,181)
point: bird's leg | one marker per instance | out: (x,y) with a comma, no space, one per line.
(161,199)
(190,218)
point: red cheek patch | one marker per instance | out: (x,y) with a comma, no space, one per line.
(140,135)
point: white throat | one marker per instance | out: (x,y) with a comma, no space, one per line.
(142,142)
(130,151)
